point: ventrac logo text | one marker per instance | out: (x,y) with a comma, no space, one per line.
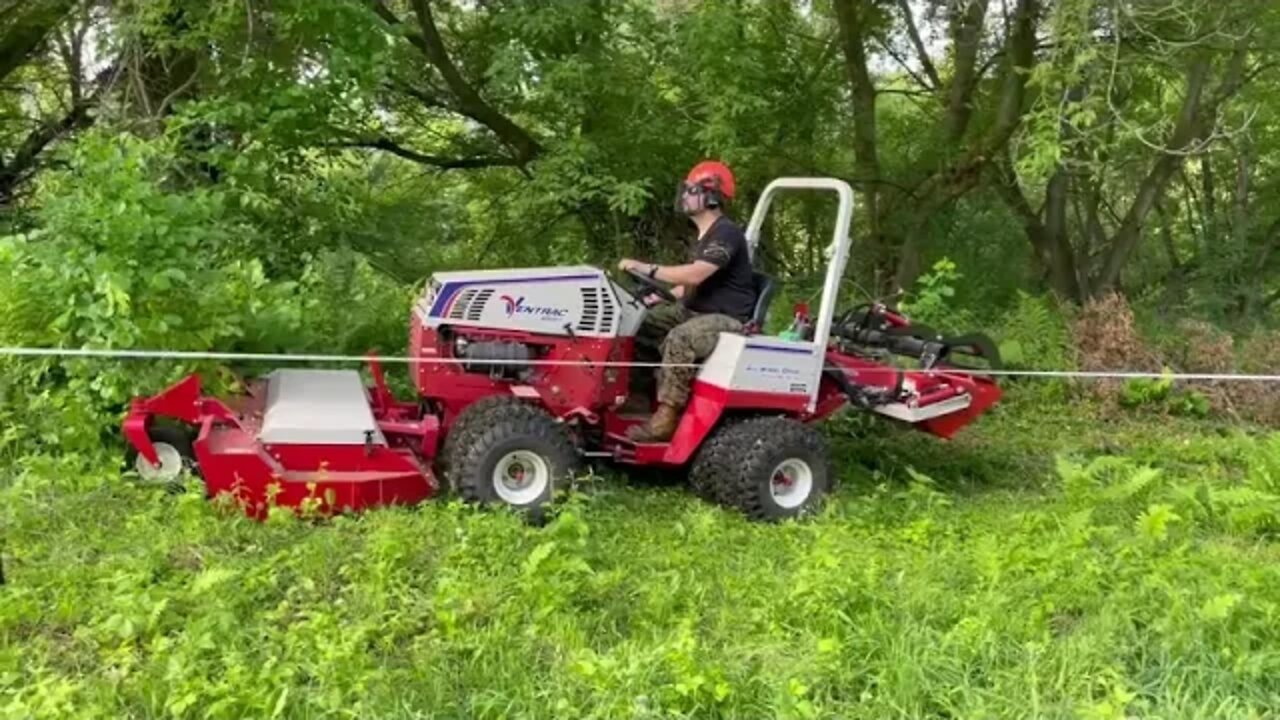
(517,306)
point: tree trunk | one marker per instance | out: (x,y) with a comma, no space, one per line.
(959,177)
(1062,261)
(966,33)
(1240,198)
(851,16)
(1208,191)
(1187,129)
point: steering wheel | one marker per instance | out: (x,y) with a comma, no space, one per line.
(651,285)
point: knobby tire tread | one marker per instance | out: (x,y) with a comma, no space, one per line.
(714,461)
(499,423)
(758,445)
(470,422)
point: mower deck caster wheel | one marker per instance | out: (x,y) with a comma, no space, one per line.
(511,454)
(177,471)
(780,469)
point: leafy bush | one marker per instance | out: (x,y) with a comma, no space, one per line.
(127,257)
(931,302)
(1033,334)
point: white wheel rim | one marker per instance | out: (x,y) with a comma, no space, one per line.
(520,477)
(791,483)
(169,469)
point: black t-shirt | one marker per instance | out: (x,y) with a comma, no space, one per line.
(730,290)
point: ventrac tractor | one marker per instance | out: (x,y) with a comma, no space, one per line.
(521,374)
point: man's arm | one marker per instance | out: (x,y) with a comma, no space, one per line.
(688,274)
(714,255)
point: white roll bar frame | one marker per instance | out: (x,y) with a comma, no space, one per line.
(838,249)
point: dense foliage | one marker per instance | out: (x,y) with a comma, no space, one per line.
(1090,180)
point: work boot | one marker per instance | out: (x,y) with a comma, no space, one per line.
(660,427)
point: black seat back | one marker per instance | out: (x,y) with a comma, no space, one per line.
(766,287)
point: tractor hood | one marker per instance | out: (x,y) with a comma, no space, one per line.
(575,300)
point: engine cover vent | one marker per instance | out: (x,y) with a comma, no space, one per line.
(461,303)
(599,313)
(476,307)
(608,313)
(470,304)
(590,309)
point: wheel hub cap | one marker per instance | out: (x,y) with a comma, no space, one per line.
(520,477)
(791,483)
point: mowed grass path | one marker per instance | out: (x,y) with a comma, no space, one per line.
(1043,565)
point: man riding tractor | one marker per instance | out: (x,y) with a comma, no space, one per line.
(715,288)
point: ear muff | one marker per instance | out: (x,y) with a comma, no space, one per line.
(711,196)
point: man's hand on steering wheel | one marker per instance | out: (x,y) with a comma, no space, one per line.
(640,273)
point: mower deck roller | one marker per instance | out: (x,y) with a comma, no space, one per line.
(523,372)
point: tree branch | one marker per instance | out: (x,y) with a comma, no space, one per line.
(382,11)
(27,30)
(469,101)
(422,96)
(902,63)
(914,34)
(386,144)
(951,182)
(963,175)
(25,159)
(1194,124)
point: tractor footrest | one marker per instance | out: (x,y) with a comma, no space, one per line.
(629,451)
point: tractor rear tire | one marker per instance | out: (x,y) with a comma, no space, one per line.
(775,468)
(512,454)
(714,462)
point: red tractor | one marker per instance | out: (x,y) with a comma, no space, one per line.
(520,374)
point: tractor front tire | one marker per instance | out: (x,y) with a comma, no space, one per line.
(512,454)
(470,422)
(777,468)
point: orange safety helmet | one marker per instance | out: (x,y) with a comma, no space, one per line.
(710,178)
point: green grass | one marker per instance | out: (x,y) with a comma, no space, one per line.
(1046,564)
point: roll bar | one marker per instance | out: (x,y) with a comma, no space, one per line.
(838,250)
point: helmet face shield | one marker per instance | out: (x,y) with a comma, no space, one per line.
(689,197)
(694,197)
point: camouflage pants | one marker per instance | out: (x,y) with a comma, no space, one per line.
(674,334)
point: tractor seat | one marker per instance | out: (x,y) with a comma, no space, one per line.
(765,287)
